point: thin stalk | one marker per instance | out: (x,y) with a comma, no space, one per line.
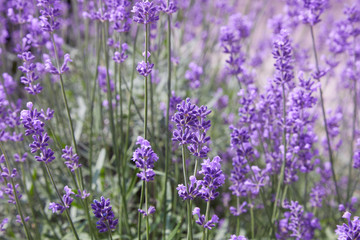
(281,177)
(205,230)
(325,121)
(189,220)
(17,202)
(139,214)
(78,172)
(112,126)
(167,137)
(252,220)
(66,106)
(147,39)
(238,217)
(353,130)
(98,47)
(195,167)
(62,202)
(146,84)
(146,209)
(110,234)
(305,191)
(130,98)
(30,199)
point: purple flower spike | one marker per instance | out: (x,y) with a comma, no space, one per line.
(234,237)
(3,223)
(168,8)
(191,127)
(144,158)
(49,67)
(82,194)
(144,69)
(49,12)
(145,12)
(282,52)
(201,219)
(211,223)
(237,211)
(72,159)
(18,219)
(193,75)
(150,211)
(121,57)
(350,230)
(66,200)
(297,224)
(193,189)
(8,190)
(64,68)
(103,211)
(213,178)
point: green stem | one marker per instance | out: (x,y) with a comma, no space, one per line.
(67,108)
(238,217)
(146,84)
(62,202)
(140,207)
(252,219)
(98,47)
(112,127)
(17,202)
(189,218)
(205,230)
(281,177)
(146,209)
(195,168)
(167,144)
(325,121)
(78,172)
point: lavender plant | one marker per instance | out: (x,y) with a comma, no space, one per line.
(255,102)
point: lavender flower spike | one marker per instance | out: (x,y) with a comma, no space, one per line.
(144,158)
(350,230)
(103,211)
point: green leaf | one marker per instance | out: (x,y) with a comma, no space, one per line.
(174,231)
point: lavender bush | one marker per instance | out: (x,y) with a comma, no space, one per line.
(179,119)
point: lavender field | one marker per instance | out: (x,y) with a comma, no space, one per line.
(179,119)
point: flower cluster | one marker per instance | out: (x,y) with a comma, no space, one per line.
(201,219)
(144,69)
(297,224)
(34,124)
(350,230)
(144,158)
(145,12)
(311,11)
(49,11)
(49,67)
(117,13)
(120,57)
(150,211)
(231,40)
(282,53)
(191,127)
(29,68)
(72,159)
(65,203)
(234,237)
(102,79)
(9,191)
(212,180)
(103,211)
(193,75)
